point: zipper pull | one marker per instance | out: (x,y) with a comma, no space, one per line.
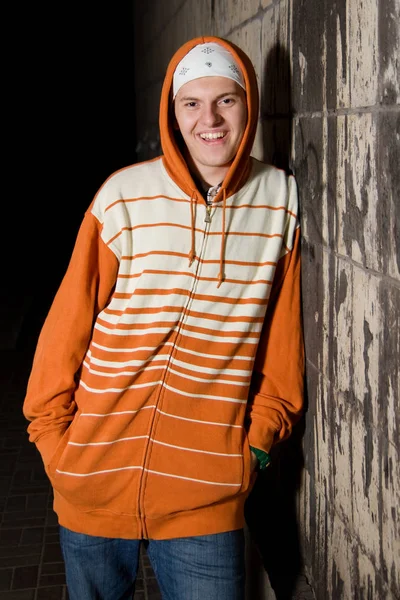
(208,214)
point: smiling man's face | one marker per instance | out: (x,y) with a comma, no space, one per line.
(211,114)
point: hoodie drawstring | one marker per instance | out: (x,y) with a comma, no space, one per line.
(221,273)
(192,253)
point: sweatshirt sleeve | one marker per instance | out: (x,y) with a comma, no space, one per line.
(276,393)
(84,291)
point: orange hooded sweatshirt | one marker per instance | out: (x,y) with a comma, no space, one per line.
(172,344)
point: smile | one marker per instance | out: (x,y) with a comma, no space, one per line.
(212,136)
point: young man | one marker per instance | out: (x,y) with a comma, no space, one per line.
(172,357)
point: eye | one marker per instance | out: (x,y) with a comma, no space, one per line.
(227,101)
(191,104)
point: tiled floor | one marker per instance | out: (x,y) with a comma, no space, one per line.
(31,566)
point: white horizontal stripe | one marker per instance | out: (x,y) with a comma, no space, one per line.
(119,373)
(194,449)
(128,363)
(142,332)
(129,387)
(98,472)
(209,371)
(141,263)
(161,330)
(157,262)
(191,479)
(127,439)
(220,339)
(184,376)
(203,380)
(239,311)
(198,421)
(130,350)
(144,318)
(224,326)
(257,294)
(160,382)
(117,413)
(142,437)
(171,344)
(214,356)
(133,319)
(146,367)
(205,396)
(133,412)
(203,304)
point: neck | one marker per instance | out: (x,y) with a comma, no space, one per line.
(207,176)
(206,184)
(202,185)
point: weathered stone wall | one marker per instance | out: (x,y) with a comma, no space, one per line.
(346,93)
(329,80)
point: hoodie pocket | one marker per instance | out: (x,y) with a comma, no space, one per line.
(178,480)
(93,476)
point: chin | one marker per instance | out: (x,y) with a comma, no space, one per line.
(218,161)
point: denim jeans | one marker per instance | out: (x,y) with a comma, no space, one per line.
(206,567)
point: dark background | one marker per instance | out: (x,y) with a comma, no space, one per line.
(69,122)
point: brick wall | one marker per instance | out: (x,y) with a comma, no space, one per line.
(329,82)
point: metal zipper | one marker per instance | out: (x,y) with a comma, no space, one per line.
(142,485)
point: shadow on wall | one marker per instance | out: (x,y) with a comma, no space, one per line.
(271,507)
(276,109)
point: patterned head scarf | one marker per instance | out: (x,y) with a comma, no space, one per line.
(206,60)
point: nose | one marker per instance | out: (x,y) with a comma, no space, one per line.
(211,117)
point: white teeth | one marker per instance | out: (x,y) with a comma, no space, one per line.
(212,136)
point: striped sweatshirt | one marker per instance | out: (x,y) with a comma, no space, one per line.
(173,344)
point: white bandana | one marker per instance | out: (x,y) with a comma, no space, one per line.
(207,60)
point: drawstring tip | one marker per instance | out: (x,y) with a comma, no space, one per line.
(191,258)
(220,279)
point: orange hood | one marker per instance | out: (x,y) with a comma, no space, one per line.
(174,162)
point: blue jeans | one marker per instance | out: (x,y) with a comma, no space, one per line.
(206,567)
